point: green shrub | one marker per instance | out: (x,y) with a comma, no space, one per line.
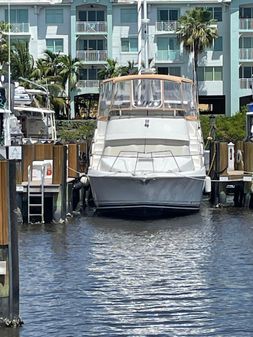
(73,130)
(227,129)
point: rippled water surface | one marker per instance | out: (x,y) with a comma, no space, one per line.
(97,276)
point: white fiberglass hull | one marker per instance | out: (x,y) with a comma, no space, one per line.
(163,192)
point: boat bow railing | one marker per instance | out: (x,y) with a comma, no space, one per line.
(146,162)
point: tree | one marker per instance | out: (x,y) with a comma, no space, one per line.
(111,69)
(22,62)
(130,69)
(69,71)
(4,27)
(197,31)
(47,73)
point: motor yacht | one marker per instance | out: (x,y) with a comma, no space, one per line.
(147,150)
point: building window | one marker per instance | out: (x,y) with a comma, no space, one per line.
(128,15)
(217,44)
(210,74)
(246,42)
(55,45)
(129,44)
(17,16)
(246,13)
(245,72)
(174,71)
(88,74)
(91,16)
(54,16)
(168,43)
(216,13)
(92,45)
(167,15)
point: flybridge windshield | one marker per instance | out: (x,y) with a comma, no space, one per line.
(149,94)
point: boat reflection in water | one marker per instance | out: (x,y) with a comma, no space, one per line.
(147,151)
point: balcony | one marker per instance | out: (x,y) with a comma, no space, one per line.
(168,55)
(166,26)
(20,28)
(92,55)
(246,54)
(246,24)
(246,83)
(91,27)
(87,84)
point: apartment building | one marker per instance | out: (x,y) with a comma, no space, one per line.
(94,30)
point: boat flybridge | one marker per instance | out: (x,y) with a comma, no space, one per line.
(147,151)
(32,109)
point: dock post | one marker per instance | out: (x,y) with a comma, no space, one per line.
(83,156)
(73,161)
(60,177)
(28,157)
(9,265)
(248,168)
(43,151)
(239,155)
(248,155)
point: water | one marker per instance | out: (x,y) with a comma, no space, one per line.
(97,276)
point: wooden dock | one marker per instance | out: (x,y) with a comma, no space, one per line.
(231,169)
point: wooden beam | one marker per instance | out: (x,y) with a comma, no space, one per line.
(4,209)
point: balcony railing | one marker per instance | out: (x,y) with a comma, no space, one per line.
(168,55)
(246,24)
(88,84)
(92,55)
(245,83)
(166,26)
(20,28)
(91,27)
(246,54)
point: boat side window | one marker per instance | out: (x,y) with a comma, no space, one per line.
(147,93)
(189,104)
(172,95)
(121,97)
(105,98)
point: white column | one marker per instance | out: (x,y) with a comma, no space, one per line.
(139,12)
(231,156)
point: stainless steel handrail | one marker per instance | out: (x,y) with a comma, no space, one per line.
(152,155)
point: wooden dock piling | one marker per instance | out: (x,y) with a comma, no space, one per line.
(73,160)
(60,177)
(9,271)
(43,151)
(248,157)
(28,158)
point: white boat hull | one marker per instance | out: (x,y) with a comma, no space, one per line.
(172,193)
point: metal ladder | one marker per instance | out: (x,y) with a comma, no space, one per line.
(32,192)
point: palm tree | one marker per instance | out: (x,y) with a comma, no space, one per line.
(111,69)
(4,27)
(22,62)
(51,59)
(130,69)
(69,71)
(197,31)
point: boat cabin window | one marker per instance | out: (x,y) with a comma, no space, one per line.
(189,104)
(166,96)
(172,95)
(121,95)
(147,93)
(105,99)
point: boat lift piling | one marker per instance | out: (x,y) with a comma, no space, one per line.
(9,264)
